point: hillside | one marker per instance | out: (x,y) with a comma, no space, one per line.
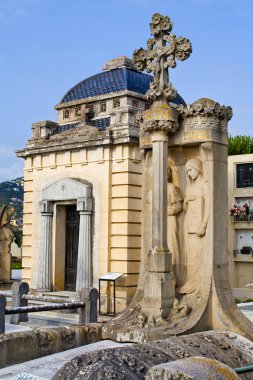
(12,194)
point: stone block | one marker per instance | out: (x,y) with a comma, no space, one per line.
(122,216)
(133,229)
(125,254)
(126,204)
(119,191)
(125,266)
(126,241)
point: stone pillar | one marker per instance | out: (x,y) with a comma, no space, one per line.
(159,190)
(45,251)
(159,288)
(84,260)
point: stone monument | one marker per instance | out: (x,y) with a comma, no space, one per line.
(183,284)
(6,238)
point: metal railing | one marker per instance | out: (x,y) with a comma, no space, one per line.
(86,305)
(245,369)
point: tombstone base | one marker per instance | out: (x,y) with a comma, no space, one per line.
(5,263)
(159,285)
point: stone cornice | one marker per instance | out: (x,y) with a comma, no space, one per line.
(75,141)
(60,106)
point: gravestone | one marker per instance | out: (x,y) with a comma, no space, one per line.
(183,283)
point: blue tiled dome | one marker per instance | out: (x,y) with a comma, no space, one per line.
(110,81)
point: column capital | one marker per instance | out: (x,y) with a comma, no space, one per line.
(84,204)
(46,207)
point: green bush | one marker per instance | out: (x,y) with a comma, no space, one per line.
(238,300)
(240,145)
(16,265)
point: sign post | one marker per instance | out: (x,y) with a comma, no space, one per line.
(109,277)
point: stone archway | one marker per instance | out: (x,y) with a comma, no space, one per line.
(66,189)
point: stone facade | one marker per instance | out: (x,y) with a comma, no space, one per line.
(240,226)
(95,146)
(89,159)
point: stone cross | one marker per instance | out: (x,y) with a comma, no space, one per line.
(161,53)
(159,121)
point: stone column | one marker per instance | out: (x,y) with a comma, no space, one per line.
(159,287)
(45,251)
(159,190)
(84,260)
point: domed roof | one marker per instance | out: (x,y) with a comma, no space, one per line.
(119,76)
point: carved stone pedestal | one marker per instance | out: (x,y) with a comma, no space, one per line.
(5,261)
(159,286)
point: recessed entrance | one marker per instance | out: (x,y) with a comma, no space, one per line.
(71,247)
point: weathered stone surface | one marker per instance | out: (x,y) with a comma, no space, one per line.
(191,369)
(45,341)
(134,361)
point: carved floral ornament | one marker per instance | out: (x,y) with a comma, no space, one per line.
(168,126)
(206,107)
(160,125)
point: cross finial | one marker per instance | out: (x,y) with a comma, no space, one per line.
(161,53)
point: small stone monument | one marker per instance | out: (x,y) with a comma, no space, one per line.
(183,284)
(6,238)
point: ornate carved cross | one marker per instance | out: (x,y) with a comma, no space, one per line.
(161,53)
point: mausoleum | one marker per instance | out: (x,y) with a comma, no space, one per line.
(82,185)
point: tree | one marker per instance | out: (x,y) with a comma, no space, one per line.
(240,145)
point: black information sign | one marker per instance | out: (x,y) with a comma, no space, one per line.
(244,175)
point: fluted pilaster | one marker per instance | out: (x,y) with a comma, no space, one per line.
(84,260)
(45,251)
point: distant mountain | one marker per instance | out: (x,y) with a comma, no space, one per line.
(12,194)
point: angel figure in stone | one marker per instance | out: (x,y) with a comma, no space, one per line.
(196,206)
(174,207)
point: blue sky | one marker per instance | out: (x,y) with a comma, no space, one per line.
(47,46)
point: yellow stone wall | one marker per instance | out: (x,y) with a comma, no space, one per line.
(115,174)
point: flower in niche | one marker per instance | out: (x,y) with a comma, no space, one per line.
(235,209)
(245,208)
